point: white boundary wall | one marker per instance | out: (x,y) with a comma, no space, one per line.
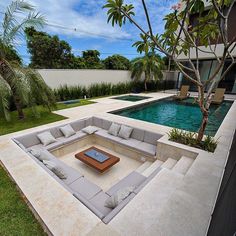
(56,77)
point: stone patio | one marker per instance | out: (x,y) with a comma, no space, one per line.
(171,204)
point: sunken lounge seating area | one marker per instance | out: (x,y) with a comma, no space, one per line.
(142,144)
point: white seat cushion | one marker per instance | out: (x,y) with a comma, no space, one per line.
(90,129)
(57,170)
(147,148)
(103,133)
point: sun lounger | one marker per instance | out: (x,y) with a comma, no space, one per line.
(218,97)
(183,93)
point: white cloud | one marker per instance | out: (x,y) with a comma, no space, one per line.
(86,16)
(90,20)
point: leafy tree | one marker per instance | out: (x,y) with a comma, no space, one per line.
(50,52)
(25,85)
(117,62)
(92,60)
(150,65)
(183,38)
(12,55)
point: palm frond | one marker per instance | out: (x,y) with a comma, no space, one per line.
(150,65)
(11,27)
(5,93)
(39,89)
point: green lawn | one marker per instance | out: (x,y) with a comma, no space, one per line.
(30,121)
(15,216)
(81,103)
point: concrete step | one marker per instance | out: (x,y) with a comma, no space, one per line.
(169,163)
(183,165)
(152,167)
(143,167)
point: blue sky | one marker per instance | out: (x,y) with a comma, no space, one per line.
(90,22)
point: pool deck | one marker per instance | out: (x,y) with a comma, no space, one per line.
(171,204)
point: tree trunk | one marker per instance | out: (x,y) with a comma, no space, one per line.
(19,109)
(203,126)
(145,85)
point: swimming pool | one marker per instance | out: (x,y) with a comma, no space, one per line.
(179,114)
(131,98)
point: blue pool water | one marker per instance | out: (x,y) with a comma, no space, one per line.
(179,114)
(70,101)
(131,98)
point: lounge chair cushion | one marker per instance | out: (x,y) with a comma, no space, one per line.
(57,170)
(37,147)
(147,148)
(133,179)
(90,129)
(67,130)
(114,129)
(74,137)
(132,143)
(151,137)
(89,205)
(99,200)
(103,133)
(55,145)
(78,125)
(116,210)
(118,197)
(106,124)
(85,188)
(125,132)
(89,121)
(28,140)
(35,152)
(41,155)
(97,122)
(46,138)
(138,134)
(56,132)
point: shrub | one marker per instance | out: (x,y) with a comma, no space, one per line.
(189,138)
(104,89)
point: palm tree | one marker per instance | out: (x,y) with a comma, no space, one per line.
(24,85)
(150,65)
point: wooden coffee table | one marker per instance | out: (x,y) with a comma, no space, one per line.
(101,167)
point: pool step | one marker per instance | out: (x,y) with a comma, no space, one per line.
(169,163)
(143,167)
(183,165)
(152,167)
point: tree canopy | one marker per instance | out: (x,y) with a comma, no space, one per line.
(92,59)
(117,62)
(50,52)
(151,65)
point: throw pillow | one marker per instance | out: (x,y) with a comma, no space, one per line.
(46,138)
(35,153)
(118,197)
(67,131)
(125,132)
(57,170)
(90,129)
(114,129)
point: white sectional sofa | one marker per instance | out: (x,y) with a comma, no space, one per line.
(84,190)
